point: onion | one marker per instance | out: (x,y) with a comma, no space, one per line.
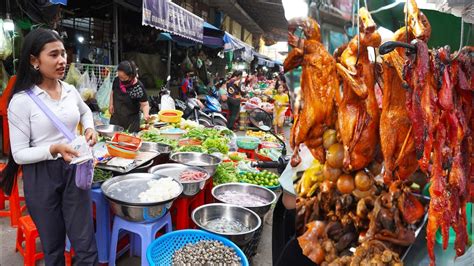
(329,138)
(345,184)
(362,181)
(335,155)
(331,173)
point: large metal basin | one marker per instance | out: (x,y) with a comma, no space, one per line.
(248,218)
(250,189)
(203,160)
(122,194)
(174,170)
(108,130)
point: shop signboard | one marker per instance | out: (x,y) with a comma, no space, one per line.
(172,18)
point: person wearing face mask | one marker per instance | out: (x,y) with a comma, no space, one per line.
(128,98)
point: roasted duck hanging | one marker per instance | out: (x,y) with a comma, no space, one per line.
(318,84)
(396,131)
(358,113)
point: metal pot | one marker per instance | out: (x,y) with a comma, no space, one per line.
(174,170)
(203,160)
(205,213)
(250,189)
(122,193)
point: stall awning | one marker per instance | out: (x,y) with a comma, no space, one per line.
(264,60)
(170,17)
(232,43)
(209,41)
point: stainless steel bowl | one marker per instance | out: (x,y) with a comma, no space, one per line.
(174,170)
(122,194)
(205,213)
(203,160)
(251,189)
(108,130)
(156,147)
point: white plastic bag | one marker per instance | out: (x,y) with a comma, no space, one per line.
(85,87)
(167,103)
(103,95)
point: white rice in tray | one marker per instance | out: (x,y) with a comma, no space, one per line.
(160,190)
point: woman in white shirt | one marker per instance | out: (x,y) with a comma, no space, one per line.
(55,203)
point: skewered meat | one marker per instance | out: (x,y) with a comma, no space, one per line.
(396,131)
(318,85)
(358,113)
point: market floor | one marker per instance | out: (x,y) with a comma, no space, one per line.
(8,256)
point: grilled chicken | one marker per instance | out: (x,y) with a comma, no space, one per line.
(318,84)
(358,113)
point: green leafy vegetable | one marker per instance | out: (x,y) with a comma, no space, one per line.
(151,136)
(101,175)
(216,145)
(190,148)
(225,173)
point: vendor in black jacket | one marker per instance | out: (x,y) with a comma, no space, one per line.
(128,98)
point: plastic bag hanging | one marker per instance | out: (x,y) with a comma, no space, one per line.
(73,76)
(103,94)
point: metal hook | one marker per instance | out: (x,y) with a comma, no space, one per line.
(358,30)
(461,40)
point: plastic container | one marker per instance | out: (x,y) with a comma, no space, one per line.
(120,137)
(248,143)
(160,252)
(127,152)
(170,116)
(115,151)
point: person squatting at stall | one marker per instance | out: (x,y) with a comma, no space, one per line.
(127,98)
(56,205)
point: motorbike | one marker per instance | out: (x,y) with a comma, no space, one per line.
(209,117)
(212,107)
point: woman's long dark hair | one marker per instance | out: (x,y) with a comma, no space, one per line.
(26,78)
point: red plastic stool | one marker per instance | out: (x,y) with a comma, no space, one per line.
(14,199)
(182,209)
(208,198)
(251,154)
(28,233)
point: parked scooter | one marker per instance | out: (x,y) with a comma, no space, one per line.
(212,106)
(163,101)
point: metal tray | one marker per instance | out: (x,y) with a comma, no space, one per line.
(142,158)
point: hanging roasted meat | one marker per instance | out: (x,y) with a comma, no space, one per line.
(440,101)
(318,85)
(358,113)
(396,131)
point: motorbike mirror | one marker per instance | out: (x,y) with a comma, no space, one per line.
(260,119)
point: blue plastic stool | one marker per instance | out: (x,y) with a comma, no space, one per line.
(102,219)
(147,233)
